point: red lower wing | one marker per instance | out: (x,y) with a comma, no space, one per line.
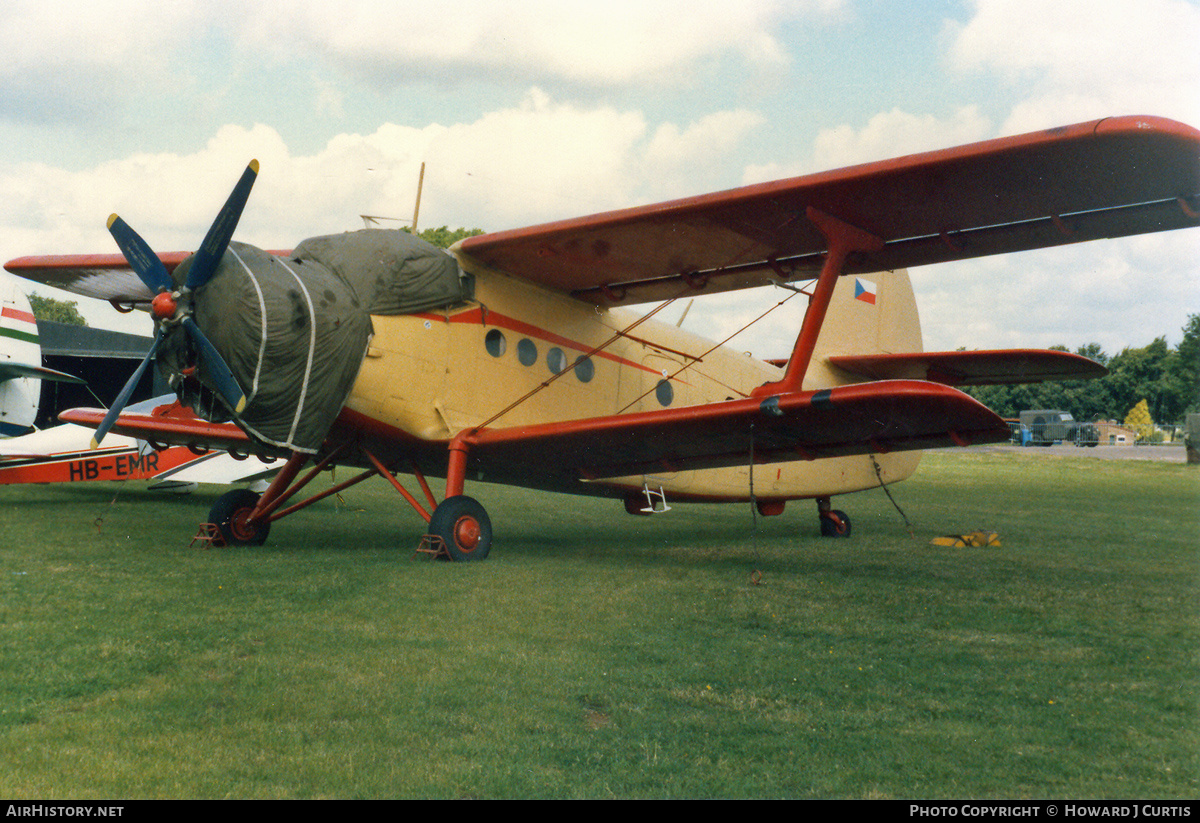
(168,424)
(894,415)
(865,418)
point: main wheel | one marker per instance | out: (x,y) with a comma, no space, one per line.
(835,524)
(229,514)
(464,527)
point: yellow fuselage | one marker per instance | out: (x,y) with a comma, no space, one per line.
(433,375)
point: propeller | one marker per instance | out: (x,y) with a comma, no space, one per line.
(215,367)
(172,307)
(209,255)
(119,404)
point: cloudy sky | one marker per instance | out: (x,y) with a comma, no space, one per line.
(532,111)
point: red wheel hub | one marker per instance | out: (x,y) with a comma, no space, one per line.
(239,524)
(466,533)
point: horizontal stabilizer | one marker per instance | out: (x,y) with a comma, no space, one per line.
(12,371)
(865,418)
(973,368)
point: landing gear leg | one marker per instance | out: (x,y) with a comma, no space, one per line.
(834,523)
(460,522)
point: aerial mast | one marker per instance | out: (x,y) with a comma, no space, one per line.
(417,207)
(373,219)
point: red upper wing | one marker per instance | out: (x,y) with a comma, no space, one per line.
(103,276)
(1108,178)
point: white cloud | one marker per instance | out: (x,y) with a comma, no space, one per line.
(1116,293)
(1077,60)
(84,61)
(537,161)
(897,133)
(679,161)
(886,135)
(59,63)
(620,42)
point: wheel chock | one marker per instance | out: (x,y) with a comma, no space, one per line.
(433,545)
(208,536)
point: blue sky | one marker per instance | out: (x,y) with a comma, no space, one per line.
(532,111)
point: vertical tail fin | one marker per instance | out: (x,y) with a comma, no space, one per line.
(869,314)
(20,353)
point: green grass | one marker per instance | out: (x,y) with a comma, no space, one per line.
(600,655)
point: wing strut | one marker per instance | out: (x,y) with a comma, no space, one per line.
(842,240)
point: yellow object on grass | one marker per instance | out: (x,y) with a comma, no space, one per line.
(977,538)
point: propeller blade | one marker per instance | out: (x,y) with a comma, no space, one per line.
(141,257)
(208,256)
(119,404)
(216,369)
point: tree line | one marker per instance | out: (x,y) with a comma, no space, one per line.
(1168,379)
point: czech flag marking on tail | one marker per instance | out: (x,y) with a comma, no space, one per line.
(864,290)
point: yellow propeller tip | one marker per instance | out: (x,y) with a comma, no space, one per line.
(112,218)
(254,166)
(95,444)
(241,404)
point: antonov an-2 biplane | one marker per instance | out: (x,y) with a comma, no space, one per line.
(511,360)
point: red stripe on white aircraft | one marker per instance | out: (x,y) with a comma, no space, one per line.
(17,314)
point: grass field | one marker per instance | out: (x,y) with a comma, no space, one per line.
(601,655)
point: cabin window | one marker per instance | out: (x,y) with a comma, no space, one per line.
(495,343)
(527,352)
(556,360)
(585,369)
(664,392)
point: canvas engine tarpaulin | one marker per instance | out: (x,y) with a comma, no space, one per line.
(392,272)
(294,331)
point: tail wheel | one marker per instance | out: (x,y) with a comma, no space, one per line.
(464,527)
(835,524)
(231,513)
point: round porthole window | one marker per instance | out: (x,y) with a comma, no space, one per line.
(665,392)
(527,352)
(585,369)
(556,360)
(495,343)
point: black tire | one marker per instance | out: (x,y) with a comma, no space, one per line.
(464,527)
(229,515)
(833,528)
